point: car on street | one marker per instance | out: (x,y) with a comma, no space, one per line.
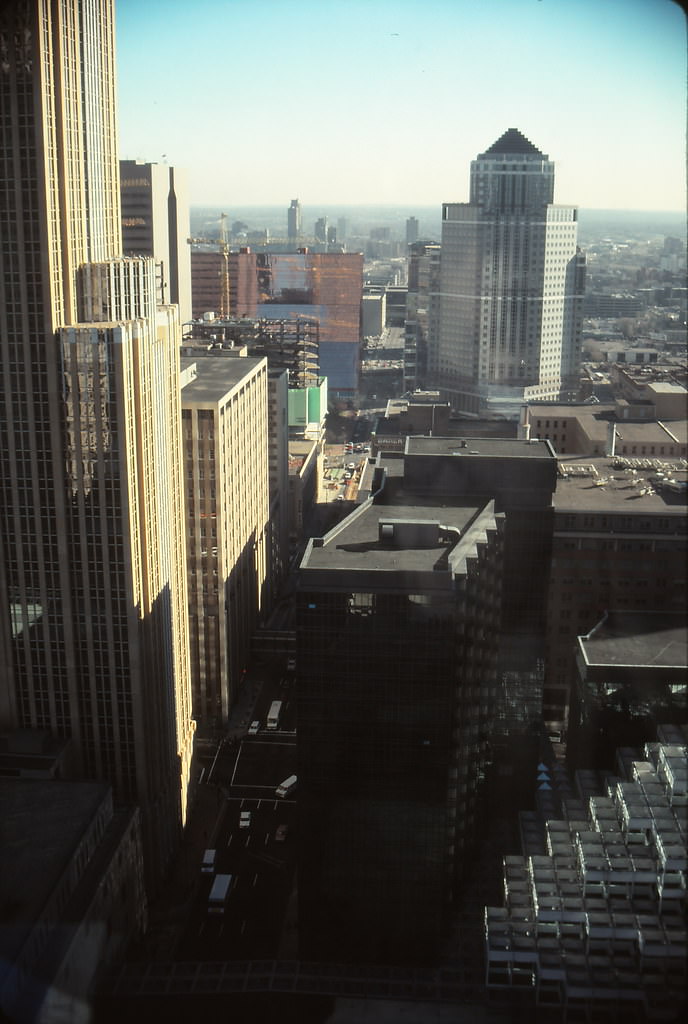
(244,819)
(351,465)
(254,728)
(347,475)
(281,833)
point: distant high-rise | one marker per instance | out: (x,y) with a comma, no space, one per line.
(93,624)
(411,230)
(155,222)
(320,230)
(511,285)
(294,221)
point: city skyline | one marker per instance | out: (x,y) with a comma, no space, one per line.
(600,87)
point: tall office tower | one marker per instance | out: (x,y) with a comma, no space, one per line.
(512,281)
(398,612)
(294,221)
(155,222)
(93,628)
(411,230)
(224,416)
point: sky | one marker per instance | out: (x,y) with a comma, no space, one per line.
(388,101)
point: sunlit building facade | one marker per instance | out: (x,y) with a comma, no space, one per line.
(155,222)
(511,286)
(225,422)
(93,628)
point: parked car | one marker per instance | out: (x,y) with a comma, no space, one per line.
(244,819)
(254,728)
(281,833)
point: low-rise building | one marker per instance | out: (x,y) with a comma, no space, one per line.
(619,544)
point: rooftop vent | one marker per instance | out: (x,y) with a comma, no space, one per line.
(409,533)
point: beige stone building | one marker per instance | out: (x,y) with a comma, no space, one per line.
(93,628)
(226,473)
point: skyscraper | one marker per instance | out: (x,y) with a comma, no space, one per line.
(155,222)
(93,624)
(511,286)
(294,221)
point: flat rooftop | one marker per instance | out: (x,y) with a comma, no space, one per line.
(355,544)
(654,639)
(494,447)
(215,376)
(621,484)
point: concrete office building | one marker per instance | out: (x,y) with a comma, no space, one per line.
(225,433)
(393,708)
(155,222)
(373,313)
(93,624)
(619,544)
(511,284)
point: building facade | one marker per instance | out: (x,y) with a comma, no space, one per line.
(619,544)
(225,429)
(93,629)
(511,284)
(398,612)
(155,222)
(422,311)
(210,281)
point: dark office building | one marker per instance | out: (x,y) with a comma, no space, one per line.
(398,615)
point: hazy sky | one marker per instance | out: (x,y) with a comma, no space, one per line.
(388,101)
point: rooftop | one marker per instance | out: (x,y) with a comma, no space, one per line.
(619,484)
(215,377)
(657,639)
(356,544)
(491,447)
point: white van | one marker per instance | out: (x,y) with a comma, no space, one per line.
(208,865)
(222,886)
(286,787)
